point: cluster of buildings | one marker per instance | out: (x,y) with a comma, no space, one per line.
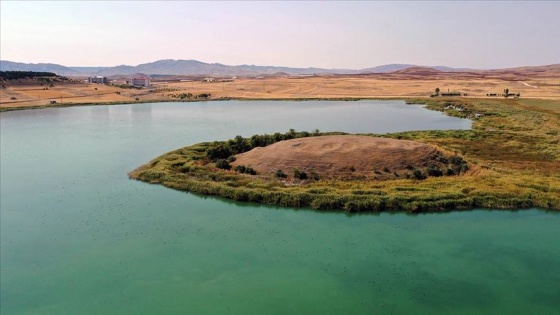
(138,81)
(218,80)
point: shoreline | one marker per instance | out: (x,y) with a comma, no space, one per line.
(407,99)
(63,105)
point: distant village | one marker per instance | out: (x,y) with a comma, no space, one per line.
(138,81)
(143,81)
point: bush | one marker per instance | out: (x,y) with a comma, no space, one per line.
(245,170)
(280,174)
(418,174)
(457,160)
(223,164)
(433,171)
(300,174)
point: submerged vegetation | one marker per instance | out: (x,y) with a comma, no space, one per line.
(513,155)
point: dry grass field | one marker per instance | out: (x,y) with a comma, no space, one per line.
(413,82)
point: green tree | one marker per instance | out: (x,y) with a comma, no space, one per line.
(219,151)
(291,134)
(437,91)
(240,144)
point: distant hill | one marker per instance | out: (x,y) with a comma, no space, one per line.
(387,68)
(169,67)
(533,71)
(419,71)
(397,67)
(198,68)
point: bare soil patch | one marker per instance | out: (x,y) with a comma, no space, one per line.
(346,156)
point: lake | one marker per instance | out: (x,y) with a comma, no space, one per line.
(78,237)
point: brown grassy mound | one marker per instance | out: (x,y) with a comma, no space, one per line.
(348,156)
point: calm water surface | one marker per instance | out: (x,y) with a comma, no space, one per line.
(78,237)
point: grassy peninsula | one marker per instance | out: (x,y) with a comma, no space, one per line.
(509,160)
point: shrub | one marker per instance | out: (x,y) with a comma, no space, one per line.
(457,160)
(280,174)
(418,174)
(300,174)
(223,164)
(245,170)
(434,171)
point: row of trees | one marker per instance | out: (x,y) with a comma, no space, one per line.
(437,93)
(506,93)
(16,75)
(239,144)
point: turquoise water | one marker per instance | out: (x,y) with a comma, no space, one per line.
(78,237)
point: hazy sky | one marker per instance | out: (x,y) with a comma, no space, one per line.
(296,34)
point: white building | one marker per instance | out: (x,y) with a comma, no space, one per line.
(140,81)
(98,79)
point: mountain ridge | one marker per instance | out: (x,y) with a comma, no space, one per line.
(198,68)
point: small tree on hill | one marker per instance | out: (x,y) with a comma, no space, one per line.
(437,91)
